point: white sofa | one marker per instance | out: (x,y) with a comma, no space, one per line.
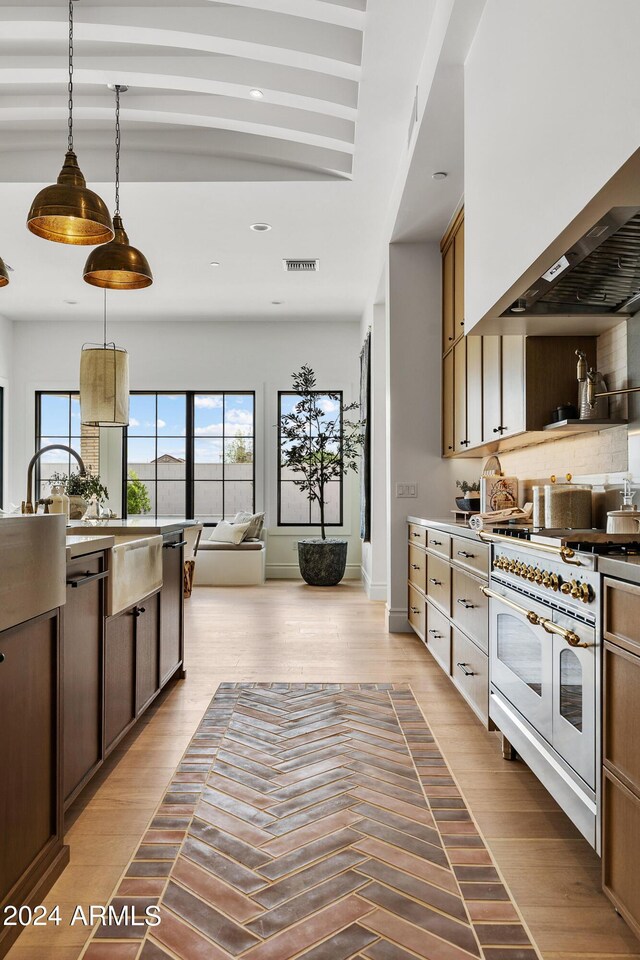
(230,565)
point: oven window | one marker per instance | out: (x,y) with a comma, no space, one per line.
(520,650)
(571,688)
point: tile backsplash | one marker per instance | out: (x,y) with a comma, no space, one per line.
(587,454)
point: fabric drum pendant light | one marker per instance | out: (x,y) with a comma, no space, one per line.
(104,383)
(117,265)
(67,211)
(4,274)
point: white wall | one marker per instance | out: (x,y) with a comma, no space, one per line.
(414,412)
(374,553)
(6,364)
(551,113)
(258,356)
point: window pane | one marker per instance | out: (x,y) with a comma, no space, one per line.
(294,505)
(332,505)
(238,415)
(238,495)
(171,499)
(172,415)
(238,459)
(139,497)
(208,460)
(171,458)
(208,415)
(208,501)
(141,456)
(54,416)
(142,415)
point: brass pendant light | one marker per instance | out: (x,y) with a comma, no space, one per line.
(67,211)
(104,383)
(4,274)
(117,265)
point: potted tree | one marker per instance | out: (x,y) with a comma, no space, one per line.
(321,448)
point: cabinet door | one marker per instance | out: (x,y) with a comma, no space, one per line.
(460,439)
(448,286)
(82,675)
(513,386)
(474,391)
(147,651)
(458,281)
(119,675)
(491,389)
(29,704)
(171,606)
(447,405)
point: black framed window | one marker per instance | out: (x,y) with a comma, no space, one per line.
(58,421)
(294,509)
(191,454)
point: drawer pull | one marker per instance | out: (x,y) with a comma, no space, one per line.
(87,577)
(436,583)
(463,667)
(467,556)
(414,534)
(415,609)
(435,634)
(174,546)
(415,566)
(435,543)
(466,604)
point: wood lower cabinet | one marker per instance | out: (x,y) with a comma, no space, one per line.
(83,645)
(621,750)
(452,619)
(147,631)
(32,853)
(119,676)
(171,606)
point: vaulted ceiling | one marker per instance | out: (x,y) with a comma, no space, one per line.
(316,156)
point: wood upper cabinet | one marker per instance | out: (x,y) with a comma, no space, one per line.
(458,280)
(491,387)
(447,405)
(474,390)
(448,313)
(503,387)
(452,247)
(460,441)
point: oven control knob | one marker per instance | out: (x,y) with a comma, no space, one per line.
(586,593)
(566,588)
(539,576)
(555,582)
(531,574)
(576,590)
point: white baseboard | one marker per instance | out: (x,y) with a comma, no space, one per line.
(374,591)
(397,621)
(291,571)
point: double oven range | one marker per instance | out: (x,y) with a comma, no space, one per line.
(545,660)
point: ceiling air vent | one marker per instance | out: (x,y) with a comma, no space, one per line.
(301,266)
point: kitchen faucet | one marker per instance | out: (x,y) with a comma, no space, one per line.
(27,505)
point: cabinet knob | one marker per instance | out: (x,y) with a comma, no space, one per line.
(499,429)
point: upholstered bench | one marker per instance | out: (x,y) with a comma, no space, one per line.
(230,564)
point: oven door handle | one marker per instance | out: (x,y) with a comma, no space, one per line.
(565,553)
(571,638)
(532,617)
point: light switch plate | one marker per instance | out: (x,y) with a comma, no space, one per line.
(406,490)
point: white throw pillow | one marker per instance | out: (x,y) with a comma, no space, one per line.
(255,521)
(227,532)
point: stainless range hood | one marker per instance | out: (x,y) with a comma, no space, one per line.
(588,279)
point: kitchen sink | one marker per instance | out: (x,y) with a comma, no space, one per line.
(135,566)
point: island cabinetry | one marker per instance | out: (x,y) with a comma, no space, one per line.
(172,607)
(147,626)
(452,616)
(32,853)
(83,651)
(621,750)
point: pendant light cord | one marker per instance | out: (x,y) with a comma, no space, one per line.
(117,213)
(70,122)
(104,332)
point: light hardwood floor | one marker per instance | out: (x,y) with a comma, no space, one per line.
(288,631)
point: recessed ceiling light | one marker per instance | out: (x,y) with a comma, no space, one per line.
(439,175)
(214,263)
(256,94)
(261,227)
(72,303)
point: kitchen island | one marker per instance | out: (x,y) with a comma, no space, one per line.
(74,677)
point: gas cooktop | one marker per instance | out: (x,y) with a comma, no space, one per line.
(587,541)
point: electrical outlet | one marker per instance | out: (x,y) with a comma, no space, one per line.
(406,490)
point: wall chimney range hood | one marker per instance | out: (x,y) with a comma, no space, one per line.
(598,274)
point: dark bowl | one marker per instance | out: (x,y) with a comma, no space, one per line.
(468,504)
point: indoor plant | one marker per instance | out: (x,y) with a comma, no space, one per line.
(470,499)
(320,449)
(80,489)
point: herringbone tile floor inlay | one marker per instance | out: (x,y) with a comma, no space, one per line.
(316,822)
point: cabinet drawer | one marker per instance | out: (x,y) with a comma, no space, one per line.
(621,849)
(416,611)
(418,567)
(622,613)
(417,534)
(621,746)
(439,543)
(471,555)
(470,607)
(470,673)
(439,584)
(438,637)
